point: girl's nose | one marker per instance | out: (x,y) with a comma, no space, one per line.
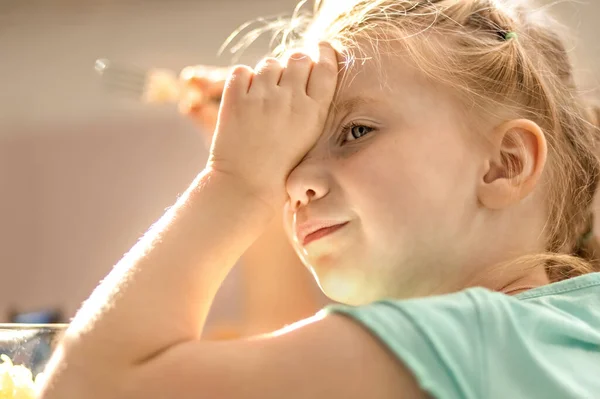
(307,182)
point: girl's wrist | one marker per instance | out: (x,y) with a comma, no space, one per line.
(233,188)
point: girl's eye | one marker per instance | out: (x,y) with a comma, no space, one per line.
(355,131)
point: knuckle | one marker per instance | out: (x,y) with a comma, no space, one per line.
(239,73)
(241,70)
(271,95)
(267,63)
(328,66)
(285,91)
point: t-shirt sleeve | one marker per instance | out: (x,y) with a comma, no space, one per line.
(437,338)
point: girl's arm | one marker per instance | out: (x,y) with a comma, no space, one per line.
(137,336)
(159,294)
(276,288)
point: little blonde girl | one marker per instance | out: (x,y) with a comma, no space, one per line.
(436,165)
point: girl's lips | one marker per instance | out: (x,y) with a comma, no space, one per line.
(322,233)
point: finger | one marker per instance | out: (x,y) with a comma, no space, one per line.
(238,82)
(207,120)
(192,101)
(210,80)
(219,74)
(204,116)
(267,73)
(297,71)
(195,87)
(211,74)
(197,72)
(215,89)
(197,83)
(199,110)
(323,78)
(200,90)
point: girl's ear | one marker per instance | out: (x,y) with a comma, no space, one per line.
(514,163)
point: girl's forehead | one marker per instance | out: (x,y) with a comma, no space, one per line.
(380,75)
(392,85)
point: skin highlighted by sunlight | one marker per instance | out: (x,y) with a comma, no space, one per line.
(391,163)
(346,286)
(425,189)
(294,326)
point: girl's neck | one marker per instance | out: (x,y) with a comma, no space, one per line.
(511,278)
(519,289)
(535,278)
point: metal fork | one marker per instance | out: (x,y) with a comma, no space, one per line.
(152,85)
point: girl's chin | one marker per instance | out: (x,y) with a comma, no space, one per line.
(345,286)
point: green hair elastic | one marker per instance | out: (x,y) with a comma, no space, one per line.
(586,237)
(510,35)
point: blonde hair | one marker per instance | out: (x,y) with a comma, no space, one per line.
(464,44)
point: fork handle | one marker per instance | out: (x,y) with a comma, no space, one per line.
(163,86)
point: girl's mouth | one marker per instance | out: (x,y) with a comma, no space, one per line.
(322,233)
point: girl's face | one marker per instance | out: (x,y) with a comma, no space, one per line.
(401,175)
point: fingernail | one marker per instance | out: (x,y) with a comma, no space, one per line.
(297,56)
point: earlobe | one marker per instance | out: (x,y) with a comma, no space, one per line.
(514,164)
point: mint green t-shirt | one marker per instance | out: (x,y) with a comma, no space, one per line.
(480,344)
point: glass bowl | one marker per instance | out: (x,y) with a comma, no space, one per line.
(29,345)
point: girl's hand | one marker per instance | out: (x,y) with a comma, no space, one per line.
(270,118)
(201,83)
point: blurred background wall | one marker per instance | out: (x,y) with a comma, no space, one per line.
(83,174)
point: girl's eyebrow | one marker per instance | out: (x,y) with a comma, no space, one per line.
(352,103)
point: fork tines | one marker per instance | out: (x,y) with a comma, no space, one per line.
(123,79)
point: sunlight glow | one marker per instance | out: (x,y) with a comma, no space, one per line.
(299,324)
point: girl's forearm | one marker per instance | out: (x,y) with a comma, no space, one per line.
(159,294)
(277,289)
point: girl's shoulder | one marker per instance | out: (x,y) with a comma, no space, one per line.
(578,286)
(481,343)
